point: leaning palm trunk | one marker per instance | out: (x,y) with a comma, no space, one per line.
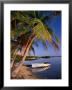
(12,63)
(15,72)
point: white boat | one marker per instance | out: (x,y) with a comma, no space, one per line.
(35,65)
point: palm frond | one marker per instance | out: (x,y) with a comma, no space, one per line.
(53,34)
(41,31)
(45,18)
(57,39)
(32,49)
(35,43)
(44,45)
(55,45)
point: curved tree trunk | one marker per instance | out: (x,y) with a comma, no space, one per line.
(27,47)
(12,63)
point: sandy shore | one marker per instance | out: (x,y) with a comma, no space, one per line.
(25,73)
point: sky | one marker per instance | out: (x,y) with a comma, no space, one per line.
(55,24)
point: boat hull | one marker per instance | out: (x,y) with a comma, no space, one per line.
(40,65)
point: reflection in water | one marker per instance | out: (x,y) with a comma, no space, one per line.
(40,69)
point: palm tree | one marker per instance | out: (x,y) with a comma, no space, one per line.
(27,27)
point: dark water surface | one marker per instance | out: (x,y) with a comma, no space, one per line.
(54,72)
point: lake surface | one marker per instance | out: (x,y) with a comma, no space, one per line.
(53,72)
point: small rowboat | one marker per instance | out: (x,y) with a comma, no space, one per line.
(35,65)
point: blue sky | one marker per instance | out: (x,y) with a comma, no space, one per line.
(55,24)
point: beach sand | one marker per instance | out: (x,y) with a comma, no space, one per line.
(25,73)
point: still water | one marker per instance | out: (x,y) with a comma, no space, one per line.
(53,72)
